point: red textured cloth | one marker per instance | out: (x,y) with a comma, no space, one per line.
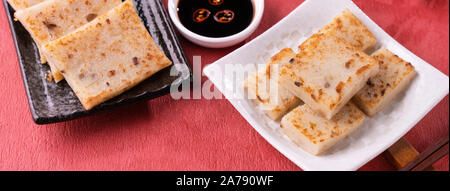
(164,134)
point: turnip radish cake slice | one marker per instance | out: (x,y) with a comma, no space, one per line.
(107,56)
(315,134)
(327,73)
(394,77)
(274,100)
(352,30)
(53,19)
(22,4)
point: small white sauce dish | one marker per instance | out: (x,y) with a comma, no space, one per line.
(210,42)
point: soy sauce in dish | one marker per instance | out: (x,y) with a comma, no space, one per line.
(215,18)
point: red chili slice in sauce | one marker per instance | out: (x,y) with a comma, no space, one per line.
(216,2)
(201,15)
(224,16)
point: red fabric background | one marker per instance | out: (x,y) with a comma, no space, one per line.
(164,134)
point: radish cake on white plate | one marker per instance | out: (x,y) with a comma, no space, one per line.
(53,19)
(352,30)
(327,73)
(315,134)
(22,4)
(394,77)
(107,56)
(266,92)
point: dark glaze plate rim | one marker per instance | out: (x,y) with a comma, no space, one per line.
(147,95)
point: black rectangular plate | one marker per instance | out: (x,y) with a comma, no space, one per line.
(50,102)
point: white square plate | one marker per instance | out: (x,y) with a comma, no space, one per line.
(377,134)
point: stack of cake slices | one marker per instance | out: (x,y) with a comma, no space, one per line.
(101,48)
(326,90)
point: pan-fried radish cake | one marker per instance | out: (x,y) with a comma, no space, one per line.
(22,4)
(327,73)
(352,30)
(53,19)
(107,56)
(264,89)
(315,134)
(394,76)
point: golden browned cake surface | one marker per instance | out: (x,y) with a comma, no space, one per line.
(350,28)
(315,134)
(266,92)
(327,73)
(53,19)
(22,4)
(107,56)
(394,76)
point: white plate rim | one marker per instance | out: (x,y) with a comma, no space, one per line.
(272,140)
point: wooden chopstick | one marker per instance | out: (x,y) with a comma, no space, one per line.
(401,153)
(430,156)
